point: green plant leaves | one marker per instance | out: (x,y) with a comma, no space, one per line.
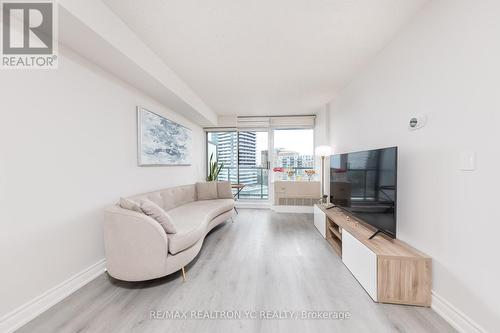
(214,169)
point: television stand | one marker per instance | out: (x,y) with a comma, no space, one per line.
(389,270)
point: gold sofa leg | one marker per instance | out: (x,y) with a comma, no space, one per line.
(183,274)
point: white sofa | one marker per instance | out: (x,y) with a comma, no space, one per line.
(138,248)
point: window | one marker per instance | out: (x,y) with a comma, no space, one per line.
(294,150)
(223,146)
(244,159)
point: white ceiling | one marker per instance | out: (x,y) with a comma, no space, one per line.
(265,57)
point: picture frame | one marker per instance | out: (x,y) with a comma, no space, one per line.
(161,141)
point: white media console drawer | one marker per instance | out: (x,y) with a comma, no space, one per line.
(320,220)
(361,261)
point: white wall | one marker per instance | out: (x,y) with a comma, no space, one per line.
(321,137)
(445,64)
(67,150)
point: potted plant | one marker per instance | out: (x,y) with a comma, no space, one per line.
(213,169)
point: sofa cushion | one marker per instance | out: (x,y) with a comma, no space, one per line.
(153,210)
(224,190)
(206,190)
(169,198)
(178,196)
(191,221)
(130,205)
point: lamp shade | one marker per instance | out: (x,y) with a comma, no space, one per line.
(323,151)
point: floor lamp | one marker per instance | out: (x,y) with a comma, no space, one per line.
(323,151)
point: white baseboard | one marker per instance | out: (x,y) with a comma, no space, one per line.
(456,318)
(27,312)
(293,209)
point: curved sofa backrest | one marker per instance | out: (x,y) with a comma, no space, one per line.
(170,198)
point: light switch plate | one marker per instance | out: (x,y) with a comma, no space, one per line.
(467,160)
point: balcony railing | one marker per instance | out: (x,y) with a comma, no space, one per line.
(256,179)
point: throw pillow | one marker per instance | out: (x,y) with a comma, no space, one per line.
(153,210)
(130,205)
(224,190)
(206,190)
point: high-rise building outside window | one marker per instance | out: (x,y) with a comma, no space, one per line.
(294,150)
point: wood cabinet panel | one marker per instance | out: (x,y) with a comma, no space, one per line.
(404,280)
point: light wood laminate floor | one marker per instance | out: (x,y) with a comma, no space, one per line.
(262,261)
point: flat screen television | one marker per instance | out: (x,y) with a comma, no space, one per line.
(364,183)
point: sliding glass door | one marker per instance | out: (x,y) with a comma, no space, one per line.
(244,158)
(253,164)
(247,155)
(222,147)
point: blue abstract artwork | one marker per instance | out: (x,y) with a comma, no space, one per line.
(162,141)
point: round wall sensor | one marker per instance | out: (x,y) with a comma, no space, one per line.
(417,122)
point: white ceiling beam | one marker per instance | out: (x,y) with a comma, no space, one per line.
(93,30)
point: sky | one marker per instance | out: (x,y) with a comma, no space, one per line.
(301,141)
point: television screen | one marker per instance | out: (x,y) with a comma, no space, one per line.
(364,183)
